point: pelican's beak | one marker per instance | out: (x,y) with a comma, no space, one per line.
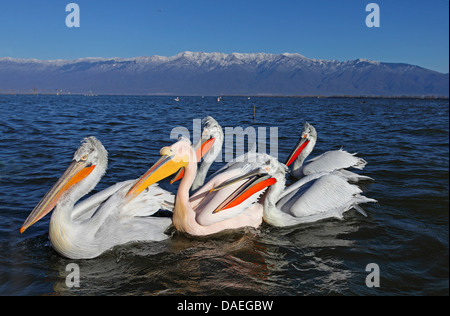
(202,149)
(167,165)
(256,181)
(77,171)
(178,176)
(297,150)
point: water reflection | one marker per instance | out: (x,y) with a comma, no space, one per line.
(245,262)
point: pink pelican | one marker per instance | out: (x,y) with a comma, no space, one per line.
(228,201)
(209,147)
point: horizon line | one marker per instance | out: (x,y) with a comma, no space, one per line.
(318,96)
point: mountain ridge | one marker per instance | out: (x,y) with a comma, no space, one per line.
(200,73)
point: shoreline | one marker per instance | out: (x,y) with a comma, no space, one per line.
(424,97)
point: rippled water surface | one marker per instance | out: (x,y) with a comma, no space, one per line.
(406,233)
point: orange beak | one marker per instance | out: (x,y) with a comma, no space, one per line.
(77,171)
(256,182)
(167,165)
(297,150)
(201,151)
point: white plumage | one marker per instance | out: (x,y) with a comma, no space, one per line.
(327,162)
(104,220)
(322,191)
(333,160)
(313,198)
(211,129)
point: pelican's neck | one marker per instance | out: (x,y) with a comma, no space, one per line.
(208,160)
(272,214)
(201,175)
(183,214)
(63,231)
(298,163)
(66,235)
(61,217)
(274,192)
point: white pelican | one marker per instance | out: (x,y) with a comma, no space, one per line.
(105,219)
(327,162)
(211,130)
(227,201)
(314,197)
(210,142)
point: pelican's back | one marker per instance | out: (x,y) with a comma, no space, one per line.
(333,160)
(328,196)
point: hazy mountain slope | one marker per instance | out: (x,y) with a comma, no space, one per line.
(217,73)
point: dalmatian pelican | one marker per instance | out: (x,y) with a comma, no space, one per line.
(229,200)
(313,198)
(327,162)
(104,220)
(209,147)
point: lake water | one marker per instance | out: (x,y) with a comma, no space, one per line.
(405,142)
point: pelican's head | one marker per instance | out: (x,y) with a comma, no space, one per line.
(277,171)
(212,136)
(208,146)
(88,165)
(309,131)
(309,136)
(91,152)
(272,167)
(211,129)
(173,158)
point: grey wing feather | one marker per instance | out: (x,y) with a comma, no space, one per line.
(86,208)
(317,198)
(333,160)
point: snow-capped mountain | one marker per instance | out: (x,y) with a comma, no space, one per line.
(197,73)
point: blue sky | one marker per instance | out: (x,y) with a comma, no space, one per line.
(414,31)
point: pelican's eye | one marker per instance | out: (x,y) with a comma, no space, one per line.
(84,157)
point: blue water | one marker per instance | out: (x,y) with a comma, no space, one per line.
(406,233)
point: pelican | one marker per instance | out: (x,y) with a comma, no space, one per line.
(209,146)
(315,197)
(228,201)
(104,220)
(327,162)
(211,130)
